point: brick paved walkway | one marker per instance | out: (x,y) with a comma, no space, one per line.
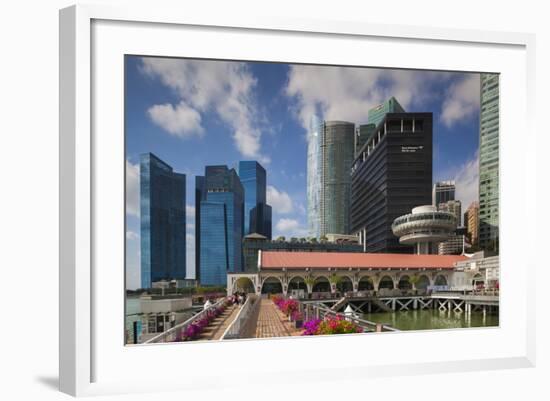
(272,323)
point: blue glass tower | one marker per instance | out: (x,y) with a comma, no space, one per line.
(221,215)
(260,220)
(162,209)
(257,214)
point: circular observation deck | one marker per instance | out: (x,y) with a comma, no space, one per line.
(424,224)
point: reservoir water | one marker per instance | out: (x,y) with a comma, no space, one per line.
(427,319)
(132,310)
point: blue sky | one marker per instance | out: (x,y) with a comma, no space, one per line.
(193,113)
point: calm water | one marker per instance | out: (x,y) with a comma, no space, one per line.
(132,308)
(432,319)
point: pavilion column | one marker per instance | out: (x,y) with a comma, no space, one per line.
(332,288)
(375,283)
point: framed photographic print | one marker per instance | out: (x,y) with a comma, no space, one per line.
(272,187)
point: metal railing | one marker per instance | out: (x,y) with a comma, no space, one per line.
(175,332)
(241,326)
(486,292)
(319,311)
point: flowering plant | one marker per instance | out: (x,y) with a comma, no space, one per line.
(192,332)
(311,327)
(289,306)
(338,325)
(330,325)
(296,315)
(278,300)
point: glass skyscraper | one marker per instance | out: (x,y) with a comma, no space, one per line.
(337,154)
(362,135)
(221,215)
(488,163)
(200,195)
(331,147)
(257,214)
(376,114)
(163,231)
(313,178)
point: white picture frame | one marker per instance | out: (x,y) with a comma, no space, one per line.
(93,359)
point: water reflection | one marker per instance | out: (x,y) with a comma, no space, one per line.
(433,319)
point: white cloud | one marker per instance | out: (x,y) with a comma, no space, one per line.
(279,200)
(133,265)
(190,247)
(467,182)
(343,93)
(181,120)
(131,235)
(290,227)
(190,212)
(225,88)
(462,100)
(132,189)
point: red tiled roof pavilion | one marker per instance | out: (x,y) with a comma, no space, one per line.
(345,260)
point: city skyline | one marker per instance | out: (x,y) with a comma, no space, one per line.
(258,111)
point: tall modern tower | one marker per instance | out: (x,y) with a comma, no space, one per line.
(221,225)
(488,163)
(336,151)
(391,175)
(163,231)
(200,195)
(363,133)
(314,178)
(377,113)
(443,191)
(257,214)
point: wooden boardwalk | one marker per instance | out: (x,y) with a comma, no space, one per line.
(272,323)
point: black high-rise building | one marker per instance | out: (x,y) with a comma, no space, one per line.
(200,195)
(391,174)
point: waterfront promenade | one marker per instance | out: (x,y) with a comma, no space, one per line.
(259,317)
(272,323)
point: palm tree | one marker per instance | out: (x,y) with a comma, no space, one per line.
(309,280)
(369,280)
(334,280)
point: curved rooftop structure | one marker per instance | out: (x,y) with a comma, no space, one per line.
(425,227)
